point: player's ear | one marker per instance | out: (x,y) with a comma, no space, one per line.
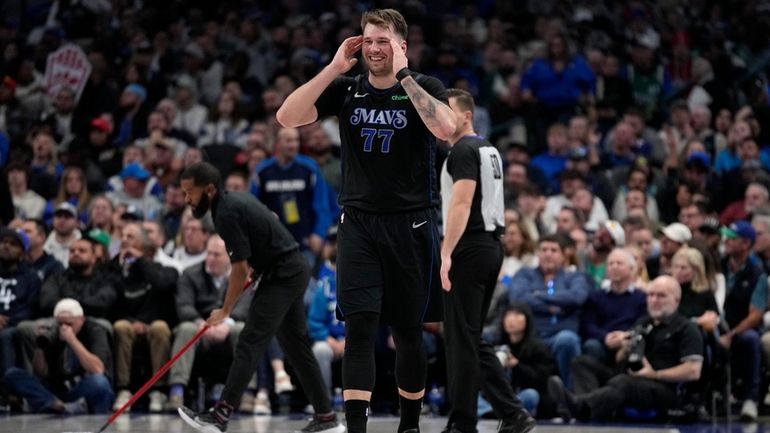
(403,46)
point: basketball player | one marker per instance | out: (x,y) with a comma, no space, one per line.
(387,238)
(472,205)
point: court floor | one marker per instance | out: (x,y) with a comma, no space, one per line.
(141,423)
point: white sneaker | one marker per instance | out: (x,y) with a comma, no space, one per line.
(749,410)
(157,401)
(283,383)
(123,397)
(262,404)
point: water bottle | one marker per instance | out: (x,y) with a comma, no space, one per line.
(435,400)
(337,401)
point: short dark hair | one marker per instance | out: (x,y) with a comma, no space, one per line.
(386,18)
(554,238)
(464,99)
(40,226)
(202,174)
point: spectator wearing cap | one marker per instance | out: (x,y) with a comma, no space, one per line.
(26,203)
(131,120)
(556,296)
(609,235)
(675,236)
(73,366)
(195,234)
(554,160)
(134,192)
(42,263)
(73,189)
(135,154)
(327,333)
(191,115)
(19,290)
(95,154)
(756,197)
(708,232)
(745,303)
(65,232)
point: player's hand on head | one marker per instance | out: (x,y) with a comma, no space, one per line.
(399,56)
(344,59)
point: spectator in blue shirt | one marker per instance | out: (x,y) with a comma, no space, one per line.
(554,161)
(560,80)
(556,296)
(745,302)
(292,186)
(327,333)
(610,312)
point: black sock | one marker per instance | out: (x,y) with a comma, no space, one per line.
(356,415)
(410,413)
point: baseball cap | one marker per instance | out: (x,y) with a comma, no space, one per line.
(616,232)
(67,207)
(134,170)
(68,307)
(710,225)
(699,160)
(98,236)
(102,125)
(677,232)
(18,235)
(739,229)
(132,212)
(138,90)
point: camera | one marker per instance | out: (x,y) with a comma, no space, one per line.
(636,346)
(47,335)
(502,352)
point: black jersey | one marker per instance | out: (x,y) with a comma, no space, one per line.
(250,231)
(476,159)
(387,151)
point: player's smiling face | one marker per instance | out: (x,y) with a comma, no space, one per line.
(376,49)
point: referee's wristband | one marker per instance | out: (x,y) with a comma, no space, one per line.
(403,73)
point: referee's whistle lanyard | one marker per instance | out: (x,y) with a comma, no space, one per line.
(549,292)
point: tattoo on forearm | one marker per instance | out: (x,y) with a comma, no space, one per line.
(422,101)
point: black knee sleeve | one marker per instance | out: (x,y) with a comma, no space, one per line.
(410,358)
(358,363)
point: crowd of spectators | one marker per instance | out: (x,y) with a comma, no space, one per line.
(636,139)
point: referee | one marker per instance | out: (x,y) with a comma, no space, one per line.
(387,236)
(472,198)
(255,238)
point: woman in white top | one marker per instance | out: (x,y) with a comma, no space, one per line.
(226,124)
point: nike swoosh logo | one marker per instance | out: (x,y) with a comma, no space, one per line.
(415,225)
(358,95)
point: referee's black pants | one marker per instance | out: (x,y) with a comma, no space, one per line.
(471,362)
(277,310)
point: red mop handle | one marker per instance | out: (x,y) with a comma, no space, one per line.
(155,377)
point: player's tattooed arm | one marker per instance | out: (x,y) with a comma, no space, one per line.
(436,115)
